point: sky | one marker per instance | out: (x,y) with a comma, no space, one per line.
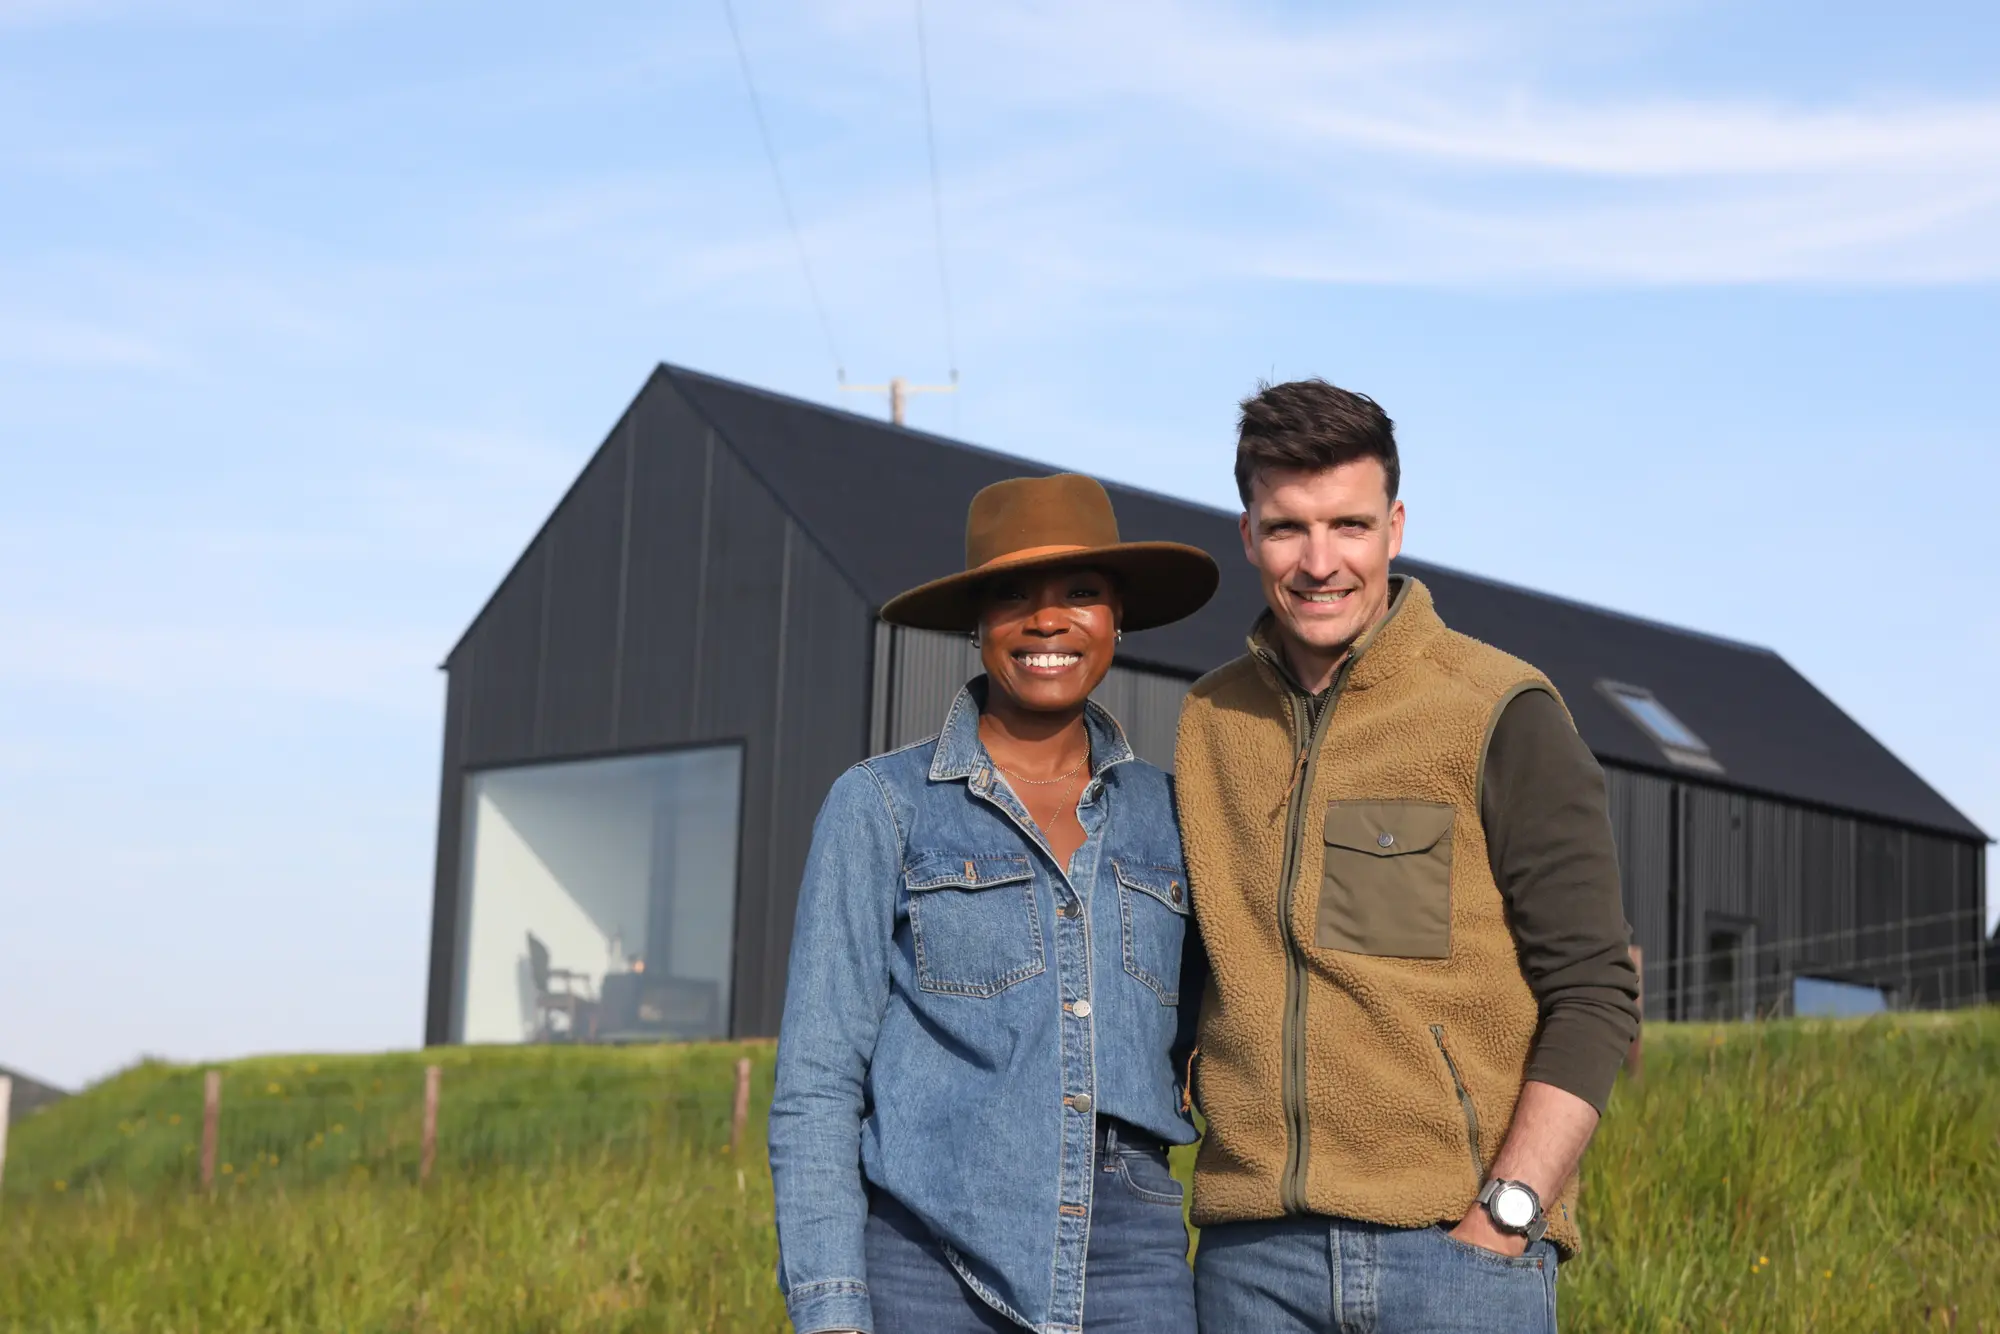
(309,311)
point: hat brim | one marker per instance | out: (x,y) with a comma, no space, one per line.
(1158,583)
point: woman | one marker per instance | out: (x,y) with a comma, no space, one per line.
(977,1081)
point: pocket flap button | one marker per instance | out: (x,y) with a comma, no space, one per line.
(1385,839)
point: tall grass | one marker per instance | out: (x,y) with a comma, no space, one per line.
(1777,1177)
(1823,1176)
(581,1243)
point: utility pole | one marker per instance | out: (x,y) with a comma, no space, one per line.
(899,391)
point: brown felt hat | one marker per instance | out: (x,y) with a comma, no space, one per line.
(1029,523)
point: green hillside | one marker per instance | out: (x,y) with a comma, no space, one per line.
(1786,1176)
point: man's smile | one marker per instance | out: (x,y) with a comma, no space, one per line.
(1321,597)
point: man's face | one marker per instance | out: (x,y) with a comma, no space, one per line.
(1322,542)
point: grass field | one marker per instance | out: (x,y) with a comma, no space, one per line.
(1785,1176)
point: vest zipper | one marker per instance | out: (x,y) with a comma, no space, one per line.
(1464,1103)
(1309,731)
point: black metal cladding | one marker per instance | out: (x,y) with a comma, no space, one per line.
(575,699)
(711,575)
(1825,894)
(668,601)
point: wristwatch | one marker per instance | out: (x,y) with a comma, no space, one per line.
(1514,1207)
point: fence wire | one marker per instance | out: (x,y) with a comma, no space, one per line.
(1933,961)
(284,1132)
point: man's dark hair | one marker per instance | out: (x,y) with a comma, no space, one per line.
(1311,425)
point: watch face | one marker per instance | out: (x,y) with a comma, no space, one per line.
(1514,1207)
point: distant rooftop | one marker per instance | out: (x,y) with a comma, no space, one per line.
(30,1094)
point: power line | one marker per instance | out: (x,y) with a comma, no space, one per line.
(784,195)
(937,194)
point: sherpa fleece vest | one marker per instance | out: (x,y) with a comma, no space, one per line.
(1364,1037)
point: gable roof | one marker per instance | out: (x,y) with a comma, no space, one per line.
(887,504)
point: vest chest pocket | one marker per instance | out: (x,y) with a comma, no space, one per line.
(1386,888)
(973,923)
(1152,908)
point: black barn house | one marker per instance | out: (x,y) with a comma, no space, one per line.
(642,721)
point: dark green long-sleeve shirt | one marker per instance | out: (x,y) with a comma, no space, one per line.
(1548,836)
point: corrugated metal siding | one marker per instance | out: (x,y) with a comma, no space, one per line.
(919,672)
(580,654)
(821,730)
(1148,705)
(882,671)
(919,679)
(1938,970)
(666,575)
(669,601)
(1825,894)
(743,638)
(1642,822)
(504,676)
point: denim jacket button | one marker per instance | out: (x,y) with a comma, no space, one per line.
(1081,1102)
(1082,1008)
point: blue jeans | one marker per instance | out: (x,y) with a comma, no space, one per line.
(1135,1272)
(1336,1276)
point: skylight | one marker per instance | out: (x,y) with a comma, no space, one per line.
(1676,740)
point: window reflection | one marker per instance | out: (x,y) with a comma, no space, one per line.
(600,899)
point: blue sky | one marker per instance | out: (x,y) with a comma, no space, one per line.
(309,311)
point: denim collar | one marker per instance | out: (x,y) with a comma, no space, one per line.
(961,754)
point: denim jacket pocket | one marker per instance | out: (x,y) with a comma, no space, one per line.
(973,922)
(1153,907)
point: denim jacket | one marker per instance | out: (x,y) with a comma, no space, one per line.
(958,1011)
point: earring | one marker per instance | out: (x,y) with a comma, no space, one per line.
(973,635)
(1119,638)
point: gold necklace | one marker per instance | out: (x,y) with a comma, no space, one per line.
(1045,782)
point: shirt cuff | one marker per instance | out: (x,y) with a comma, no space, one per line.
(831,1304)
(1582,1045)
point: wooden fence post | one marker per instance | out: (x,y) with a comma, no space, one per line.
(211,1115)
(742,1112)
(432,1075)
(6,1105)
(1635,1059)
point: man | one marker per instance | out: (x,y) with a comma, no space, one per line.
(1404,873)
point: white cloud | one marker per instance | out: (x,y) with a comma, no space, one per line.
(1433,150)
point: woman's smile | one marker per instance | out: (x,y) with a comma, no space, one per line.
(1047,662)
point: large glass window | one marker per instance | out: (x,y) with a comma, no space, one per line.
(599,899)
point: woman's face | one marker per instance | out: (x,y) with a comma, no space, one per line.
(1047,636)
